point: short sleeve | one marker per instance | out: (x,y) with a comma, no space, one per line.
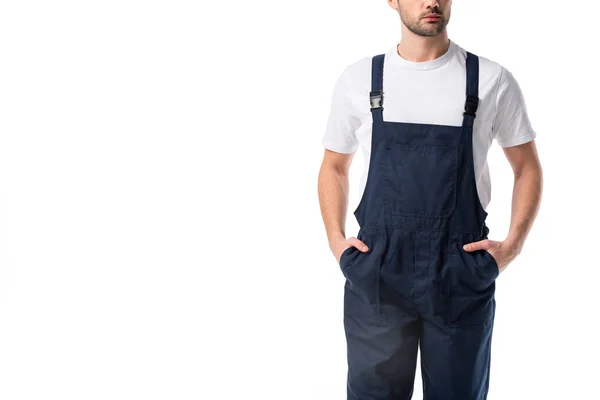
(343,120)
(511,126)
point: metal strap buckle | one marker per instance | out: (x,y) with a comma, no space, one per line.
(376,98)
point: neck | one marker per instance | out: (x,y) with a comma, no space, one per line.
(422,48)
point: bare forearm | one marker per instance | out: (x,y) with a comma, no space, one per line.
(526,199)
(333,199)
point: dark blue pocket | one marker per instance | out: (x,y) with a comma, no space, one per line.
(362,273)
(344,256)
(472,284)
(421,180)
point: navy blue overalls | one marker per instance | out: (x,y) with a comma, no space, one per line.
(416,287)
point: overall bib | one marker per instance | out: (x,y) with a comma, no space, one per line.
(416,287)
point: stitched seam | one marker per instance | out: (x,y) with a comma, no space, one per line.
(516,139)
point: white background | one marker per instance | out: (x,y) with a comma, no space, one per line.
(160,233)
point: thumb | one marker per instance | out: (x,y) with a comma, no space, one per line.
(480,245)
(359,244)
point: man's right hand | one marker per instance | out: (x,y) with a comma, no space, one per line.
(342,245)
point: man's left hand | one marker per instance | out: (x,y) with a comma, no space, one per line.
(503,252)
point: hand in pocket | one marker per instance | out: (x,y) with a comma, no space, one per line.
(343,245)
(502,252)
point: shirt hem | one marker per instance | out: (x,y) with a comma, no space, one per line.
(519,140)
(340,149)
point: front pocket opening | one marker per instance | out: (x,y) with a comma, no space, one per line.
(472,270)
(345,254)
(492,262)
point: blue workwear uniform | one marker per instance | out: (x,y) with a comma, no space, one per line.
(416,287)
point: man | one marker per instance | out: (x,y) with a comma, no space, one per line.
(421,270)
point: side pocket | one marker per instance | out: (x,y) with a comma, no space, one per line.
(476,269)
(472,286)
(362,270)
(492,263)
(350,253)
(345,256)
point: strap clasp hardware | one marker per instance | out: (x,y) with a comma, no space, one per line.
(471,105)
(376,98)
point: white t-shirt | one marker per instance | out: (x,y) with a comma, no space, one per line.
(430,92)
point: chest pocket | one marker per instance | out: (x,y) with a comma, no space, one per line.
(421,180)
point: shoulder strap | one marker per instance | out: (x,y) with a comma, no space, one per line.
(471,102)
(472,99)
(376,94)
